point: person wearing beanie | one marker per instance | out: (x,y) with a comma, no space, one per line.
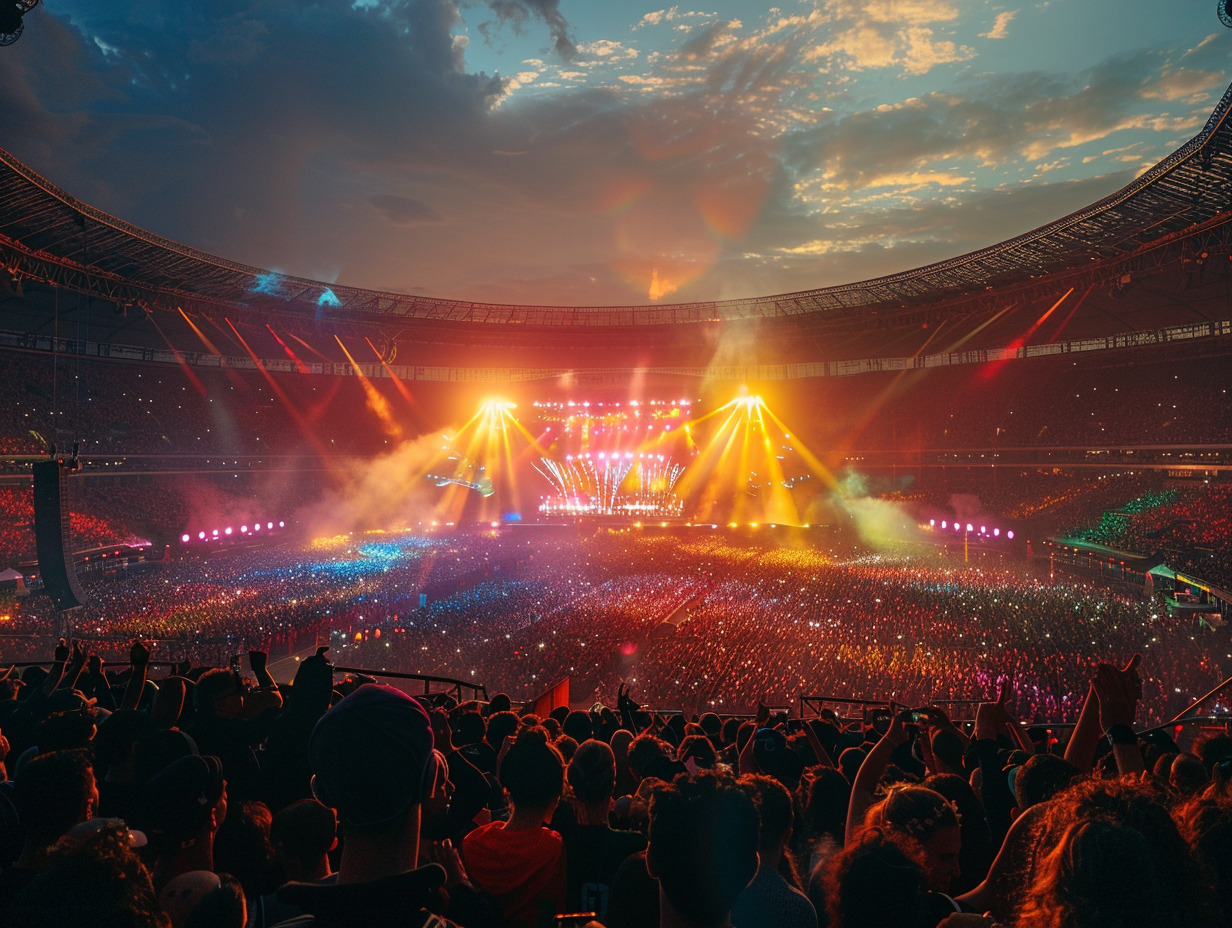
(373,763)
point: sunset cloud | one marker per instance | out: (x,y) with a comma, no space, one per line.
(548,153)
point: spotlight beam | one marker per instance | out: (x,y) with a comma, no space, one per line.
(300,366)
(376,402)
(300,423)
(398,384)
(184,365)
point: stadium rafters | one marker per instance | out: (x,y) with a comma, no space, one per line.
(50,236)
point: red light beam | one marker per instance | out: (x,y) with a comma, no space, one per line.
(299,365)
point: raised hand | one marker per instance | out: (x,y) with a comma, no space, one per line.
(934,717)
(138,654)
(1118,692)
(1005,691)
(763,714)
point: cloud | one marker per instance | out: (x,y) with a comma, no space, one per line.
(402,211)
(672,15)
(853,243)
(887,34)
(996,123)
(607,50)
(515,13)
(521,79)
(1190,85)
(727,159)
(231,131)
(1001,27)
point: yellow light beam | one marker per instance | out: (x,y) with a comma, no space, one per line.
(375,400)
(401,387)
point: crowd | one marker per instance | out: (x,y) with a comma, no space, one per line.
(1191,526)
(1048,402)
(770,623)
(213,796)
(124,408)
(169,419)
(701,619)
(116,409)
(1046,500)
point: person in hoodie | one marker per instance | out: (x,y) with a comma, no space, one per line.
(521,862)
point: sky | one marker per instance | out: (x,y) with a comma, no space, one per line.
(595,152)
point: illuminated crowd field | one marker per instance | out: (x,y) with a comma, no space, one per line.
(696,618)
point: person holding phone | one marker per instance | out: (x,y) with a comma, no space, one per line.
(232,720)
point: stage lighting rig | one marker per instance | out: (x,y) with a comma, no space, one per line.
(12,19)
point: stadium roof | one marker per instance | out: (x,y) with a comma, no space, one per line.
(1183,202)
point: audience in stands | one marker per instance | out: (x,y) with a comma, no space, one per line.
(1127,829)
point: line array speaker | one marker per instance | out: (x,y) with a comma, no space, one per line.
(51,535)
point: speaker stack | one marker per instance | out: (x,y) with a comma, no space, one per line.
(52,536)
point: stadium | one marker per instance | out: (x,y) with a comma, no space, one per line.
(989,480)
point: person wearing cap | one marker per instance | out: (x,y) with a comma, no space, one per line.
(95,877)
(373,763)
(771,754)
(181,809)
